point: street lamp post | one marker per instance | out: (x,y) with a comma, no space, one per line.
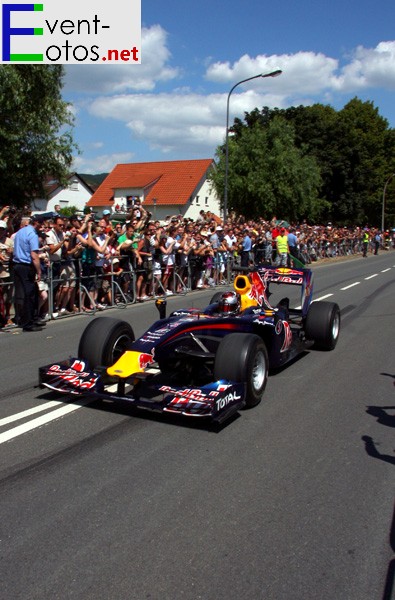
(272,74)
(383,206)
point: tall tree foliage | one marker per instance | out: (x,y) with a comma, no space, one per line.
(364,143)
(35,130)
(268,174)
(354,149)
(314,130)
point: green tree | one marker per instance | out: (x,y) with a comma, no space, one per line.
(389,202)
(364,143)
(35,131)
(314,130)
(354,149)
(268,174)
(68,211)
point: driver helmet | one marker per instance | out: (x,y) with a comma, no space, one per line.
(229,303)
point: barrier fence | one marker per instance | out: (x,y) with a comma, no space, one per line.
(73,287)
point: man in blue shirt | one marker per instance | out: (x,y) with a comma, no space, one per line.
(245,249)
(27,270)
(293,245)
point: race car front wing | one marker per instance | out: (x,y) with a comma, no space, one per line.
(216,400)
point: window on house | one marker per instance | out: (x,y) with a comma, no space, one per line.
(74,185)
(206,201)
(197,201)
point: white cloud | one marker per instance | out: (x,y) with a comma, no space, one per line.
(313,73)
(191,124)
(303,70)
(101,164)
(370,67)
(184,122)
(101,78)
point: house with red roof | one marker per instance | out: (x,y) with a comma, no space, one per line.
(75,193)
(166,188)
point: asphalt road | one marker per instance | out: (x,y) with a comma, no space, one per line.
(291,500)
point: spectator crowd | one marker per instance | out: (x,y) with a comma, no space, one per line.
(53,266)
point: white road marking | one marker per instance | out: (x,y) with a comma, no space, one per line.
(350,286)
(52,416)
(323,297)
(29,412)
(371,276)
(385,270)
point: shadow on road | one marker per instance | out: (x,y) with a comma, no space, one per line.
(390,579)
(371,449)
(388,420)
(381,415)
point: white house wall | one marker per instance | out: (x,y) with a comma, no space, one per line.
(204,199)
(65,198)
(121,194)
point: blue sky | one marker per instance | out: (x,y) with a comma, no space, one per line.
(173,105)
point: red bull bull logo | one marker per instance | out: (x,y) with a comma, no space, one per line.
(145,360)
(258,288)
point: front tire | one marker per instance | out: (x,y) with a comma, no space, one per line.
(242,358)
(323,325)
(104,341)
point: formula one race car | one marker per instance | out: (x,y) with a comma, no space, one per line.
(201,363)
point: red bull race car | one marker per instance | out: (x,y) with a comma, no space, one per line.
(201,363)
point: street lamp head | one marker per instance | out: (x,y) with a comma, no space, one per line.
(272,74)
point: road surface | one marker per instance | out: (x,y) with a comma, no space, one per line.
(291,500)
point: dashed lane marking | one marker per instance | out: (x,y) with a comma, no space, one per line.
(323,297)
(350,286)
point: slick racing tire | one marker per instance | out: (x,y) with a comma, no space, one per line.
(242,358)
(104,341)
(323,325)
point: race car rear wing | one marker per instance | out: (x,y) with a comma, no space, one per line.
(253,287)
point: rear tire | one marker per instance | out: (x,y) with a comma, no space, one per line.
(104,341)
(323,324)
(242,358)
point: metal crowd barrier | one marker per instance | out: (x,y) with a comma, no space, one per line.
(123,286)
